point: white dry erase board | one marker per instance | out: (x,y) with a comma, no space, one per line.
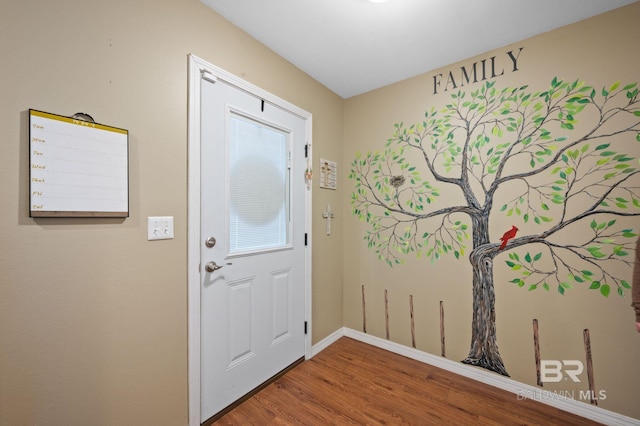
(77,168)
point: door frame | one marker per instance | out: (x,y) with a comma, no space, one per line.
(200,69)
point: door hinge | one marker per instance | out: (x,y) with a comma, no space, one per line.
(305,327)
(306,239)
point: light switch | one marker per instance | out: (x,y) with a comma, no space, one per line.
(159,228)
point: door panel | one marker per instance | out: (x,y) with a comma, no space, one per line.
(253,204)
(281,300)
(241,321)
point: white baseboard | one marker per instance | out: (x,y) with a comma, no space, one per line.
(326,342)
(521,390)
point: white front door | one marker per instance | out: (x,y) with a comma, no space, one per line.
(252,242)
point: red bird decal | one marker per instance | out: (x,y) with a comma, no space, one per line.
(507,236)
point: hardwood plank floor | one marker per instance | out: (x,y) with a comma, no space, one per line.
(352,383)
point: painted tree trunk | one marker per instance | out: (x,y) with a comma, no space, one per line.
(484,346)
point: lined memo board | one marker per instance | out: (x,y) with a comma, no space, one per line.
(77,168)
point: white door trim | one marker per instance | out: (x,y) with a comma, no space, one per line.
(199,69)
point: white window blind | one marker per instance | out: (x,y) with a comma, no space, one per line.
(259,186)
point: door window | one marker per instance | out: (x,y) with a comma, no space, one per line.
(259,186)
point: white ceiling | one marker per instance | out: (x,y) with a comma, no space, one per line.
(354,46)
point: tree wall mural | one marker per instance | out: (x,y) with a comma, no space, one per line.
(560,161)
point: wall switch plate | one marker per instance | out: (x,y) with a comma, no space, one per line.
(159,228)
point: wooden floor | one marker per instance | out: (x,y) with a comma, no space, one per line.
(352,383)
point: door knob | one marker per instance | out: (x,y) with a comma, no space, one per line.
(213,266)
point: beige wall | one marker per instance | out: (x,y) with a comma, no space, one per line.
(599,51)
(93,317)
